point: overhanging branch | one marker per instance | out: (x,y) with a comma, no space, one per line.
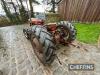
(58,2)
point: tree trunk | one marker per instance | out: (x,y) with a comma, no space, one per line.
(23,12)
(31,8)
(16,14)
(7,11)
(53,6)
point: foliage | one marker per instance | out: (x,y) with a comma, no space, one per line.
(17,19)
(88,33)
(7,11)
(4,21)
(53,3)
(52,17)
(22,16)
(14,18)
(31,7)
(23,13)
(35,1)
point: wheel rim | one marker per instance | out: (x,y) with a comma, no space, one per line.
(65,31)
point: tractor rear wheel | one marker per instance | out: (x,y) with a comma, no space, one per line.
(42,42)
(68,29)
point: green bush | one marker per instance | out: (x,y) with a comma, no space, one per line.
(52,17)
(4,21)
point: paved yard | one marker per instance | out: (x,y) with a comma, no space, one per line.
(17,56)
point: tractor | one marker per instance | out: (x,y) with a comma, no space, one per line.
(46,37)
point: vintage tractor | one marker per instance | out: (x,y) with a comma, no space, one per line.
(45,37)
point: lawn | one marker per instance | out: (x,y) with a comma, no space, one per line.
(88,33)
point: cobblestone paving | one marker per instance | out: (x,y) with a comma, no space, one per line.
(17,56)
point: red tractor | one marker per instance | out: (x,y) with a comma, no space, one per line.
(45,37)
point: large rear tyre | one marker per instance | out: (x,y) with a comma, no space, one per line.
(68,29)
(37,47)
(46,52)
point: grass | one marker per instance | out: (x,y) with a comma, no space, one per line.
(88,33)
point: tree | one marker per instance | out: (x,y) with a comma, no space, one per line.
(23,12)
(16,14)
(7,11)
(53,3)
(31,7)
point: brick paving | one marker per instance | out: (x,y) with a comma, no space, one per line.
(17,56)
